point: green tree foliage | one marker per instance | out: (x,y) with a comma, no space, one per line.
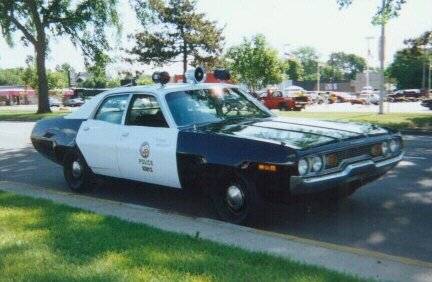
(98,77)
(390,10)
(255,63)
(407,68)
(348,64)
(144,80)
(11,76)
(330,74)
(38,21)
(174,31)
(422,42)
(308,57)
(294,69)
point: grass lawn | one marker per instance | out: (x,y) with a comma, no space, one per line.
(44,241)
(8,115)
(393,120)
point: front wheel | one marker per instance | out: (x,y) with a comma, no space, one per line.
(76,172)
(237,200)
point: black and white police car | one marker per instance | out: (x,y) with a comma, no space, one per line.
(215,137)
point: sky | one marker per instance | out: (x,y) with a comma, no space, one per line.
(287,24)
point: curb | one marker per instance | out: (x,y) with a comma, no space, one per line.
(361,263)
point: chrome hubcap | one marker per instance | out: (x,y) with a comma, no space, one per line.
(76,169)
(235,197)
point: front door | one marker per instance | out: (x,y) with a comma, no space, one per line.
(147,150)
(99,136)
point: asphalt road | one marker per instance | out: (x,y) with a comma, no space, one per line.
(390,215)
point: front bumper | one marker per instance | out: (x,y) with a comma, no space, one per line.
(358,172)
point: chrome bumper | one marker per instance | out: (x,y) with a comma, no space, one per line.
(362,171)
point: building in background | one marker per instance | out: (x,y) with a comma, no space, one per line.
(17,95)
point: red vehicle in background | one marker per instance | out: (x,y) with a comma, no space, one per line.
(276,100)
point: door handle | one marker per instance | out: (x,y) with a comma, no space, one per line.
(86,128)
(125,134)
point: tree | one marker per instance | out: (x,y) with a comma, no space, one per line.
(330,73)
(308,57)
(423,42)
(11,76)
(348,64)
(174,32)
(68,70)
(407,68)
(84,22)
(294,70)
(255,63)
(98,75)
(391,9)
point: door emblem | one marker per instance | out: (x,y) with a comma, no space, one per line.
(145,150)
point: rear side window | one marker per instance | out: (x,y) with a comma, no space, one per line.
(112,109)
(145,111)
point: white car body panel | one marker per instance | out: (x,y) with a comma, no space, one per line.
(159,166)
(97,141)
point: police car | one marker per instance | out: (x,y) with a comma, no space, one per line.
(213,137)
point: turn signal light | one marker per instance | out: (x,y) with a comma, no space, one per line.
(331,161)
(267,167)
(376,150)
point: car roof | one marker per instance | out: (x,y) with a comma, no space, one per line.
(85,111)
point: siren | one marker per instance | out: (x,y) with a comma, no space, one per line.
(196,75)
(222,74)
(161,77)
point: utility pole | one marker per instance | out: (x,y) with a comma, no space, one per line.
(369,55)
(424,76)
(318,77)
(429,80)
(382,59)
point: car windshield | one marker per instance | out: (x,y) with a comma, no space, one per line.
(211,105)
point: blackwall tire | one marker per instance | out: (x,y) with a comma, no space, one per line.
(237,200)
(77,173)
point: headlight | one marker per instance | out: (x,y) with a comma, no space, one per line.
(394,146)
(303,166)
(385,148)
(316,164)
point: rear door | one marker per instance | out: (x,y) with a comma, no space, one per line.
(147,150)
(98,137)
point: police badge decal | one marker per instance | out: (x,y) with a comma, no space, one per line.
(145,150)
(146,164)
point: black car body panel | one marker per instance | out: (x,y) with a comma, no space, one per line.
(52,137)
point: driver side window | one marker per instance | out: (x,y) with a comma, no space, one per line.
(144,110)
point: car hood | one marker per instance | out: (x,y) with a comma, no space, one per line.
(293,132)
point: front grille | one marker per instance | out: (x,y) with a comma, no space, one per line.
(335,159)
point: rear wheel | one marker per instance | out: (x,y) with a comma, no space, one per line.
(237,200)
(283,107)
(76,172)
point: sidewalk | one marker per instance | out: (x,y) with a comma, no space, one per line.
(343,259)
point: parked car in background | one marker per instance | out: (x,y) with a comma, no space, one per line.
(276,100)
(54,102)
(340,97)
(73,102)
(317,97)
(427,103)
(366,99)
(406,95)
